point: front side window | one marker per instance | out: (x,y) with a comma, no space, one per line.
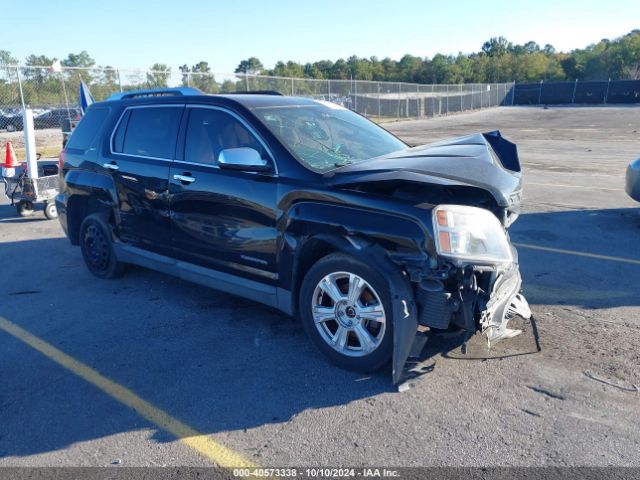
(325,136)
(210,131)
(148,132)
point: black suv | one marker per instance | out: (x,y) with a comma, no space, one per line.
(302,205)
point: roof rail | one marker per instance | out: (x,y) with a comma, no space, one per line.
(259,92)
(158,92)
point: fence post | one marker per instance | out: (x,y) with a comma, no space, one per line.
(573,96)
(66,98)
(119,81)
(606,95)
(447,112)
(355,96)
(398,106)
(20,86)
(481,87)
(540,92)
(433,101)
(461,106)
(329,89)
(513,93)
(292,87)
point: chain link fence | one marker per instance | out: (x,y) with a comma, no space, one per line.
(53,96)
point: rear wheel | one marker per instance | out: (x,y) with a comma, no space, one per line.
(97,248)
(24,208)
(50,210)
(346,311)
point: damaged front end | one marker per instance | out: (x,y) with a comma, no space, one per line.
(474,283)
(472,298)
(467,275)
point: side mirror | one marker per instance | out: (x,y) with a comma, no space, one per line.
(243,158)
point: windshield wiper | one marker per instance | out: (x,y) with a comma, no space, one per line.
(342,164)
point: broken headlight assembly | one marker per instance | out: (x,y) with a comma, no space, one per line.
(470,235)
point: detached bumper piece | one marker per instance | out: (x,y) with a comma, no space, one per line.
(504,303)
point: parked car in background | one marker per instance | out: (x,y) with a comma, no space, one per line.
(10,120)
(55,117)
(305,206)
(632,183)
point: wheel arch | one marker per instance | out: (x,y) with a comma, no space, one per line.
(316,229)
(87,193)
(80,206)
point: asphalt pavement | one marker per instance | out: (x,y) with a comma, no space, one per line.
(149,370)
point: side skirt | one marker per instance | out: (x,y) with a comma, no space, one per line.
(266,294)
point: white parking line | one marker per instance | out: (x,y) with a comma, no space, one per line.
(584,187)
(631,261)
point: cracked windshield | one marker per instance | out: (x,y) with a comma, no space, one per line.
(326,136)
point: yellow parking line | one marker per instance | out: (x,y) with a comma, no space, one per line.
(578,254)
(201,443)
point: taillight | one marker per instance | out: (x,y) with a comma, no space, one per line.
(60,161)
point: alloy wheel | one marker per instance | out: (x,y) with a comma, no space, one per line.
(349,314)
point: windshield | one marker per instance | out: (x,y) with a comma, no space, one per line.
(325,136)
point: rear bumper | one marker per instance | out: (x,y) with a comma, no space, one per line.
(61,206)
(632,181)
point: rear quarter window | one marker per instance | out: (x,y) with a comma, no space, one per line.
(87,129)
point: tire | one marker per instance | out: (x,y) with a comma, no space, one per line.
(24,208)
(97,248)
(371,312)
(50,211)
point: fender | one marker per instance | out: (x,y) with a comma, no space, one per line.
(401,237)
(362,234)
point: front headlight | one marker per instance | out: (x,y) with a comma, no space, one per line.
(470,234)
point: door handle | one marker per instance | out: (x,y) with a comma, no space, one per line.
(184,178)
(111,166)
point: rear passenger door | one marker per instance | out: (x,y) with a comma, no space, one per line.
(223,219)
(140,153)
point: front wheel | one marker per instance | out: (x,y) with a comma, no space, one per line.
(97,248)
(345,309)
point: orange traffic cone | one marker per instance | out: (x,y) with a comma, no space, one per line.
(10,159)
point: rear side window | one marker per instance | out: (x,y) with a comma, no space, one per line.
(148,132)
(87,129)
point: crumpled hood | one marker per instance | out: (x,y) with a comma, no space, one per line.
(485,161)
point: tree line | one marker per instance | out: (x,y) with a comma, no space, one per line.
(498,60)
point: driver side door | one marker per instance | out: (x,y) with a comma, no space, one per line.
(223,219)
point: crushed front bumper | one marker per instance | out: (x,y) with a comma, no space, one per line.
(472,298)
